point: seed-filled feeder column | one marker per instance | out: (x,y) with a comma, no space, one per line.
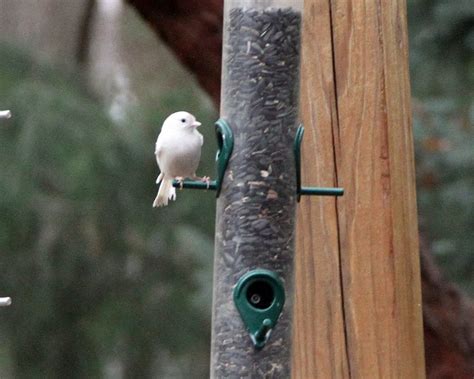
(255,227)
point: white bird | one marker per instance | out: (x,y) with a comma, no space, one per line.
(177,151)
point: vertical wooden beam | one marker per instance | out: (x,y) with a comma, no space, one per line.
(358,305)
(319,349)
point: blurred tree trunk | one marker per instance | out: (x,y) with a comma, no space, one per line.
(448,317)
(193,30)
(84,33)
(40,26)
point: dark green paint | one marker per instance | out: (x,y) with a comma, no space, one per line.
(225,141)
(314,191)
(259,322)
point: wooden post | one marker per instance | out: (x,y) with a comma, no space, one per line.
(358,302)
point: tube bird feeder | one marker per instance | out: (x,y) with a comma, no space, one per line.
(255,225)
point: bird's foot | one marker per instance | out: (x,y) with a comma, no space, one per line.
(180,180)
(207,180)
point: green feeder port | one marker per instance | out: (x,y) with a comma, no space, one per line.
(259,296)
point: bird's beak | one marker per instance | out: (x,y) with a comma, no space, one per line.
(196,123)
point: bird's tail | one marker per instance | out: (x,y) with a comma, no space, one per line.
(165,192)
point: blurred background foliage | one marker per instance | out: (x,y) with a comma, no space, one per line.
(96,275)
(102,284)
(442,76)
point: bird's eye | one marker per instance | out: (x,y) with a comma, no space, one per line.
(183,120)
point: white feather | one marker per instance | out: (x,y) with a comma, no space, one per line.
(177,151)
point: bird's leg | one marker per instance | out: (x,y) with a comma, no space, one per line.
(180,180)
(158,179)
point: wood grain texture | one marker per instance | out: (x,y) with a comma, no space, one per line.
(448,320)
(358,115)
(319,341)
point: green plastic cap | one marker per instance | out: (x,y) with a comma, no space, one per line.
(259,296)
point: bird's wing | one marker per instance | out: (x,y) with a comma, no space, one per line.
(158,148)
(201,138)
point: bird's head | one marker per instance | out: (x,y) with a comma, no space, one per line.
(182,120)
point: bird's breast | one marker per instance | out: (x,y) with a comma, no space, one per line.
(180,155)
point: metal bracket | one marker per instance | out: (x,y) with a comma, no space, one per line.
(5,114)
(225,141)
(5,301)
(312,191)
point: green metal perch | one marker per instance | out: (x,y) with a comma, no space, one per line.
(225,141)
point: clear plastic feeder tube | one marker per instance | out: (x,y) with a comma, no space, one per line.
(256,209)
(296,5)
